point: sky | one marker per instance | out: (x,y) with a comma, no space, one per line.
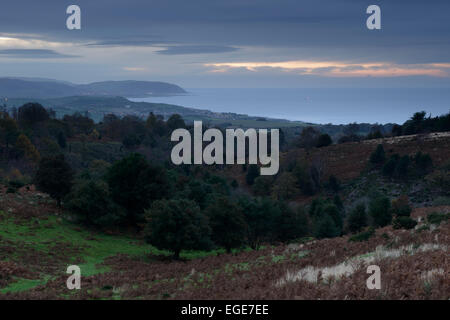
(230,43)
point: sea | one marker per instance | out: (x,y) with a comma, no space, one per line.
(317,105)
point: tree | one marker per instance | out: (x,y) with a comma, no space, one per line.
(91,202)
(324,227)
(32,113)
(8,130)
(308,138)
(30,151)
(379,209)
(261,216)
(324,140)
(54,176)
(177,225)
(252,174)
(227,223)
(285,187)
(175,121)
(378,156)
(357,218)
(291,224)
(135,184)
(263,185)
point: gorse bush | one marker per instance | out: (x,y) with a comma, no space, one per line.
(403,222)
(363,236)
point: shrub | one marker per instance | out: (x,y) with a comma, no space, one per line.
(437,218)
(423,162)
(362,236)
(403,222)
(177,225)
(403,166)
(357,218)
(390,165)
(379,210)
(401,207)
(378,156)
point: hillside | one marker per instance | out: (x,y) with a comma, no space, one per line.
(38,243)
(47,88)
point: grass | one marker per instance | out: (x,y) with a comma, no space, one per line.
(93,248)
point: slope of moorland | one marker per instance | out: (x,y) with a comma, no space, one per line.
(37,244)
(38,241)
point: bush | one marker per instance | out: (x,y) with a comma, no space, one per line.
(401,207)
(403,222)
(362,236)
(403,166)
(378,156)
(390,165)
(379,210)
(437,218)
(357,218)
(177,225)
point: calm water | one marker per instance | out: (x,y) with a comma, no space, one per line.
(318,105)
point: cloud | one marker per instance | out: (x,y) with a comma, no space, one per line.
(135,69)
(196,49)
(340,69)
(33,54)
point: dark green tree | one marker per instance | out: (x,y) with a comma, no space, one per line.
(54,176)
(379,210)
(357,219)
(135,184)
(91,202)
(323,140)
(378,156)
(177,225)
(227,223)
